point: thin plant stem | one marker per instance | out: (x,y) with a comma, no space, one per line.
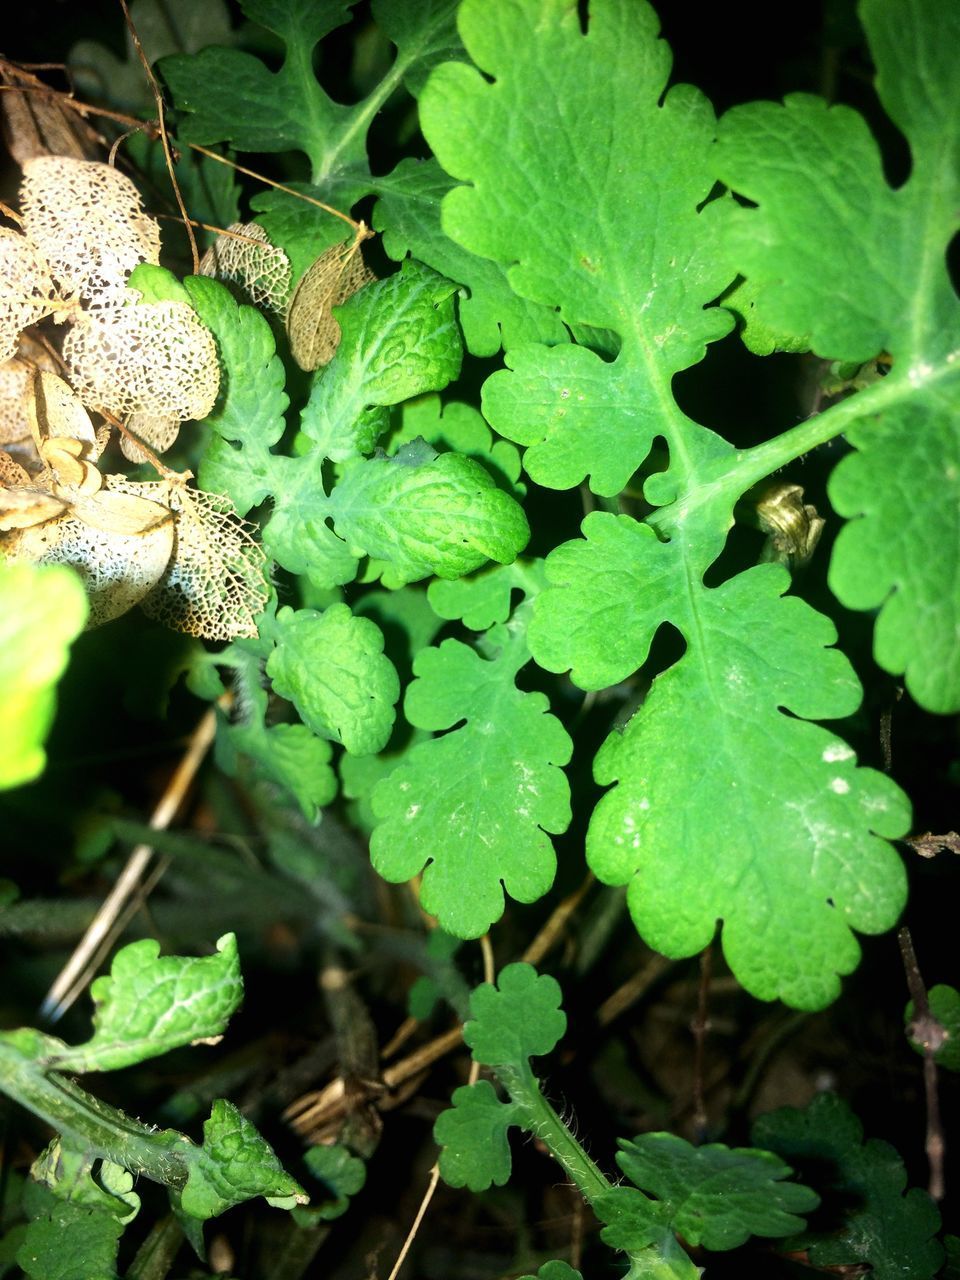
(56,1003)
(164,139)
(927,1031)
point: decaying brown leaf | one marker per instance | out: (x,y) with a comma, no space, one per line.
(261,269)
(335,276)
(215,584)
(36,124)
(155,358)
(89,225)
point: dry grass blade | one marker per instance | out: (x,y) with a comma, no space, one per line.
(337,274)
(79,969)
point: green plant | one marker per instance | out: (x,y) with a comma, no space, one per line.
(485,586)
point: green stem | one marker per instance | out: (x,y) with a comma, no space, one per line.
(665,1260)
(95,1126)
(733,474)
(544,1123)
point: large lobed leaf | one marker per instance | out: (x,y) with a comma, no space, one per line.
(726,807)
(855,268)
(475,805)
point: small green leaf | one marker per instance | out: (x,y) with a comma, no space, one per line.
(235,1164)
(882,1226)
(945,1007)
(476,804)
(342,1174)
(441,515)
(517,1019)
(399,338)
(156,284)
(71,1242)
(41,611)
(715,1195)
(473,1137)
(332,667)
(149,1005)
(484,599)
(555,1270)
(248,415)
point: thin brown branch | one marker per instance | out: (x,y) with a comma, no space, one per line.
(929,1033)
(554,926)
(360,228)
(164,139)
(421,1212)
(632,990)
(55,1002)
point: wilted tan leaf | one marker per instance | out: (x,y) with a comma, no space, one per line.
(89,224)
(337,274)
(27,290)
(214,585)
(115,512)
(155,358)
(261,269)
(54,411)
(24,506)
(118,569)
(35,124)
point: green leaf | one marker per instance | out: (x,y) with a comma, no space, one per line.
(149,1005)
(945,1007)
(156,284)
(163,27)
(825,213)
(882,1226)
(41,611)
(473,1137)
(555,1270)
(900,550)
(71,1242)
(484,599)
(458,428)
(333,669)
(425,33)
(251,402)
(645,270)
(715,1195)
(490,313)
(756,818)
(399,338)
(519,1018)
(476,804)
(226,95)
(67,1172)
(235,1164)
(425,515)
(341,1173)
